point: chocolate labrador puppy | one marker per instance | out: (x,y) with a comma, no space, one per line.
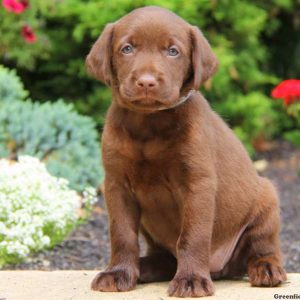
(174,170)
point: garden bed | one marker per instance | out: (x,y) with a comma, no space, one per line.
(88,246)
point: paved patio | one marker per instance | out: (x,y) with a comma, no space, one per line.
(71,285)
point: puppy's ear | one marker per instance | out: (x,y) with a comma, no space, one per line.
(204,61)
(98,61)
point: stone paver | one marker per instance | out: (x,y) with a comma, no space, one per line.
(75,285)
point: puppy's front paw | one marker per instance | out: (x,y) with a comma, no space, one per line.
(190,286)
(114,281)
(266,273)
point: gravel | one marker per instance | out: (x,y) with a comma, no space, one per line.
(284,170)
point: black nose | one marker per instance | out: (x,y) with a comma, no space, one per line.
(146,81)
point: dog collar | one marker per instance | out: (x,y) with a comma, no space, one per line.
(181,100)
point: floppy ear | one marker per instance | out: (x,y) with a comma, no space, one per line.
(204,61)
(98,61)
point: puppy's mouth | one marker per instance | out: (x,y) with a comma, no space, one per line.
(145,103)
(148,102)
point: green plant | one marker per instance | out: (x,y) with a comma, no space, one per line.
(247,63)
(253,115)
(56,134)
(11,86)
(289,92)
(37,210)
(13,45)
(292,134)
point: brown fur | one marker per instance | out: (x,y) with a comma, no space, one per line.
(178,175)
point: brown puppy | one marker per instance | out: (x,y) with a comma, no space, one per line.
(174,170)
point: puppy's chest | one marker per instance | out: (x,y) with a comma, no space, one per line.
(155,172)
(152,165)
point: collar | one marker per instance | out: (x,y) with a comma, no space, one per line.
(180,101)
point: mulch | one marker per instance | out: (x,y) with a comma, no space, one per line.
(88,246)
(284,171)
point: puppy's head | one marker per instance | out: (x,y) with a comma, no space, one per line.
(151,58)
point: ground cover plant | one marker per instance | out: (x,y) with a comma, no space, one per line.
(37,209)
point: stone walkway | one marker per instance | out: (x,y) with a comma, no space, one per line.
(74,285)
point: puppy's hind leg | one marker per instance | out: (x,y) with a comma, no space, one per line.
(264,261)
(158,265)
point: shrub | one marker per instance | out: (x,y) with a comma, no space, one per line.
(241,44)
(56,134)
(289,92)
(14,45)
(253,115)
(37,210)
(11,86)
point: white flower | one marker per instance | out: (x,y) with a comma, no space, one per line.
(45,240)
(35,207)
(28,241)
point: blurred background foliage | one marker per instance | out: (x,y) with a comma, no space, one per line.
(257,43)
(54,132)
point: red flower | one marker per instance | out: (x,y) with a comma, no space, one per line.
(28,34)
(15,6)
(289,90)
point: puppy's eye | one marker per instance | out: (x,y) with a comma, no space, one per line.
(173,51)
(127,49)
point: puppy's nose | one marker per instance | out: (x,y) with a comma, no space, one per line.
(146,81)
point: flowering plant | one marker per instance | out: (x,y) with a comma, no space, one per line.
(23,31)
(37,209)
(289,92)
(15,6)
(28,34)
(19,7)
